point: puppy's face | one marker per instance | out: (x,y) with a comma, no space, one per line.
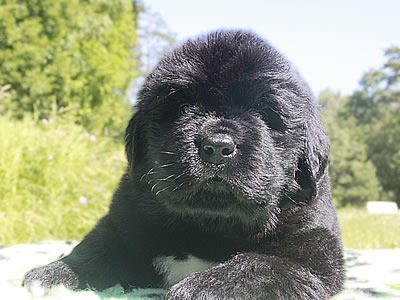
(221,133)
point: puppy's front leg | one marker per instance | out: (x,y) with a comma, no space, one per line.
(255,276)
(100,261)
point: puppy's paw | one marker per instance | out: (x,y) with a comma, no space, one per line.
(185,290)
(204,285)
(39,281)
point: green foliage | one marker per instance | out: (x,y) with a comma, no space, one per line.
(68,57)
(361,230)
(376,109)
(394,286)
(353,175)
(364,131)
(3,93)
(48,171)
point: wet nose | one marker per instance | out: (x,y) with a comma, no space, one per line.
(217,148)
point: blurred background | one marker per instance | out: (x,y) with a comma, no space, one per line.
(70,70)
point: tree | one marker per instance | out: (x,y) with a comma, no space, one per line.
(376,108)
(68,57)
(154,38)
(353,175)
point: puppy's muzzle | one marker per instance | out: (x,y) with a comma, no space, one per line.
(217,148)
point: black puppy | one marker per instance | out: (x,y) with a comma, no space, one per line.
(227,194)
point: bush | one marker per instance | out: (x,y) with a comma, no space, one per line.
(68,57)
(56,179)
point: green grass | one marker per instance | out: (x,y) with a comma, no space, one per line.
(369,231)
(46,171)
(394,286)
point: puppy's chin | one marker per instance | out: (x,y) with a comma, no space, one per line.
(215,196)
(217,205)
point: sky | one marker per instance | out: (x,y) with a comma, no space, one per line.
(331,42)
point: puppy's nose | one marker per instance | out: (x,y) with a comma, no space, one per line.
(217,148)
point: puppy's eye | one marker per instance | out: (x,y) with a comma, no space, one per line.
(272,117)
(184,108)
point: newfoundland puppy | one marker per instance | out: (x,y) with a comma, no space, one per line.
(226,194)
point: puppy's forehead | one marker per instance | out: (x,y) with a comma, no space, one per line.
(225,59)
(227,66)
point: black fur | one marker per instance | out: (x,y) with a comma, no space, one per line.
(261,210)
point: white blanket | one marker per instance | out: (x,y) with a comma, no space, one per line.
(371,274)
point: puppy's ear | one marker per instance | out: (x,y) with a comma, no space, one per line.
(134,142)
(313,161)
(316,149)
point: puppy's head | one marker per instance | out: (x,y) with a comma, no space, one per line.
(227,132)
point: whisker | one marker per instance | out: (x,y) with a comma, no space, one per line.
(166,178)
(151,181)
(153,187)
(291,199)
(178,187)
(167,152)
(166,165)
(177,177)
(146,174)
(162,190)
